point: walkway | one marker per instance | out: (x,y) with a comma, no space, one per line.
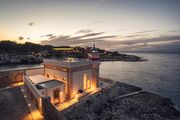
(75,100)
(34,111)
(130,94)
(12,85)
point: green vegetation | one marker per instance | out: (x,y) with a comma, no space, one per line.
(47,51)
(26,48)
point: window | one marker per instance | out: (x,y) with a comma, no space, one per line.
(88,84)
(55,77)
(64,69)
(56,96)
(47,75)
(64,79)
(85,81)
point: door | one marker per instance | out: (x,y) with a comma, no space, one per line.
(56,96)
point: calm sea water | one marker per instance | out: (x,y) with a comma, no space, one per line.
(160,74)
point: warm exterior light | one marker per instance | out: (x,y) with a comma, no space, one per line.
(25,96)
(29,104)
(70,59)
(64,69)
(76,97)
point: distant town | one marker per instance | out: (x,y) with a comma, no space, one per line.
(31,53)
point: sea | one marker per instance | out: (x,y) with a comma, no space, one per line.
(160,74)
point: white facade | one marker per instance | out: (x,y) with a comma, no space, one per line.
(55,74)
(77,74)
(35,71)
(78,79)
(40,86)
(62,80)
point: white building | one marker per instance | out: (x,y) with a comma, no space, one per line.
(62,80)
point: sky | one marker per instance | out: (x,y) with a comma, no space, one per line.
(124,25)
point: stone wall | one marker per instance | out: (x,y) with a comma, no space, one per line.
(49,111)
(14,76)
(9,77)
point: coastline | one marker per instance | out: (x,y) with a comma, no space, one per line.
(122,101)
(119,101)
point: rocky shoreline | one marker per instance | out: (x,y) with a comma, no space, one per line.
(123,57)
(119,101)
(109,105)
(143,106)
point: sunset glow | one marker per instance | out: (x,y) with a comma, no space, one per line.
(80,22)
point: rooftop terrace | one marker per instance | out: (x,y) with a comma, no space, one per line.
(69,62)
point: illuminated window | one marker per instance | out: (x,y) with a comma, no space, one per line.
(85,81)
(64,79)
(88,84)
(64,69)
(55,77)
(65,87)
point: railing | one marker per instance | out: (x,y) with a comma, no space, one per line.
(67,63)
(33,89)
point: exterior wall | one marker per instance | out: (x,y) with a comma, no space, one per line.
(49,92)
(59,74)
(78,79)
(36,96)
(74,73)
(31,72)
(33,89)
(10,77)
(16,75)
(95,74)
(93,56)
(50,112)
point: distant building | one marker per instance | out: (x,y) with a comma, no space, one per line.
(93,55)
(62,80)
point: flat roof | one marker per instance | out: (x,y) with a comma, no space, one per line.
(69,62)
(38,79)
(49,84)
(42,82)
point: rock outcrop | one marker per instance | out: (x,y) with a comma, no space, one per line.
(108,105)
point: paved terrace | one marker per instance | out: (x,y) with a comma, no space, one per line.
(33,109)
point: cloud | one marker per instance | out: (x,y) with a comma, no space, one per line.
(146,31)
(31,23)
(20,38)
(91,34)
(111,42)
(47,35)
(171,47)
(83,39)
(94,5)
(154,39)
(94,23)
(50,36)
(131,36)
(139,34)
(174,31)
(84,31)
